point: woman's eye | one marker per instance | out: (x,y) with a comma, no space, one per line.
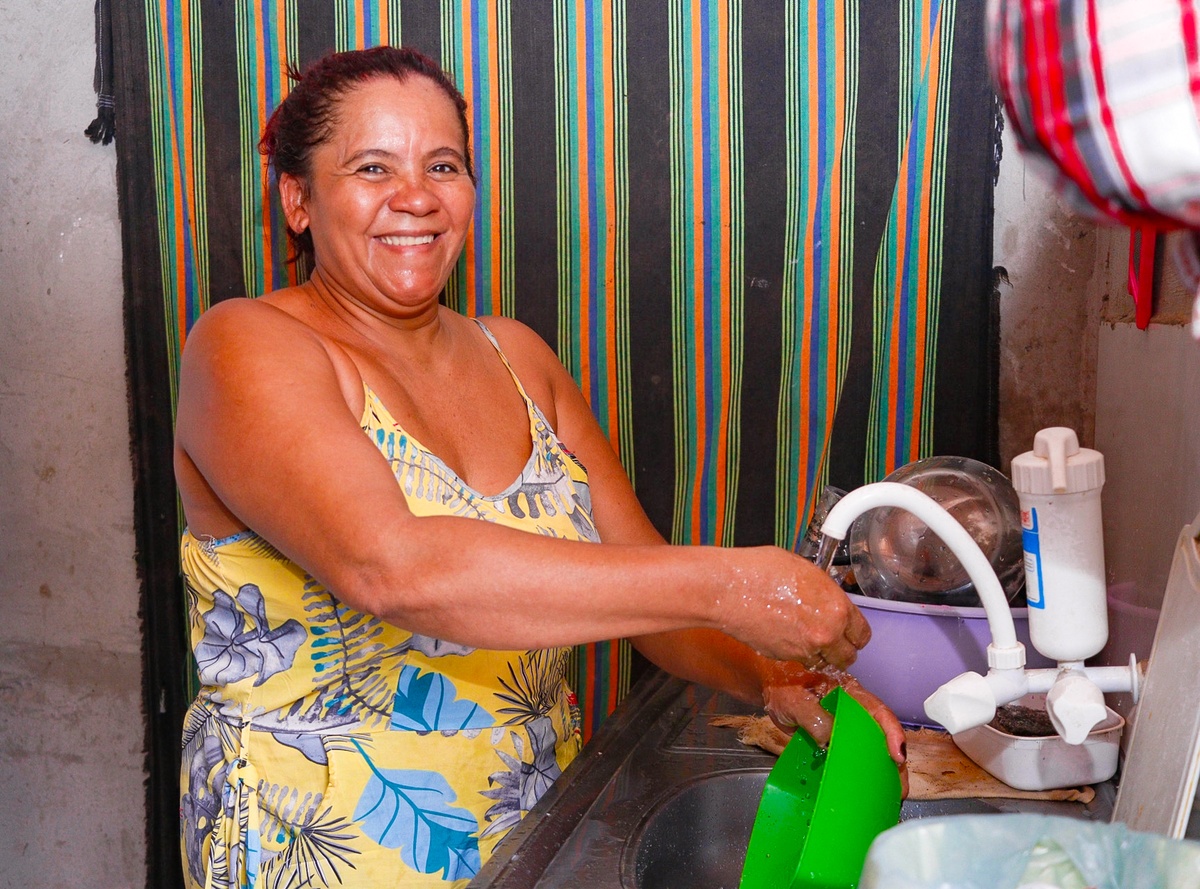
(372,169)
(445,168)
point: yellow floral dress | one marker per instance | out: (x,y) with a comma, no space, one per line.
(329,748)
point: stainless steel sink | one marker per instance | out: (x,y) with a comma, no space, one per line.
(697,835)
(661,798)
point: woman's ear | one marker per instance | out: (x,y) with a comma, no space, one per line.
(293,196)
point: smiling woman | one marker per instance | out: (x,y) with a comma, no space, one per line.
(390,192)
(398,520)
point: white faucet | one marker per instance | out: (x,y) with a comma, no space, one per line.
(1074,693)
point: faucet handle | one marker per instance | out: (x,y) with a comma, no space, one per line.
(966,701)
(1075,706)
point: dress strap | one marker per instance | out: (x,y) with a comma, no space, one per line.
(533,409)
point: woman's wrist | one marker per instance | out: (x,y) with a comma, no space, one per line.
(775,675)
(736,577)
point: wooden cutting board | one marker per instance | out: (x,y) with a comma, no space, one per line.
(937,769)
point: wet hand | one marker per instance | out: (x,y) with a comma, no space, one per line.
(792,700)
(785,608)
(893,731)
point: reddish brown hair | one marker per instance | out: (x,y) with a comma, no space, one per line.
(306,118)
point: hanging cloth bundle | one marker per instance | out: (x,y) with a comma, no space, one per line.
(104,126)
(1105,96)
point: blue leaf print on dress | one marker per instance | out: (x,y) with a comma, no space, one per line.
(409,810)
(200,805)
(231,652)
(428,702)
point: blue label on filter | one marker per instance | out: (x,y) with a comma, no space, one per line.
(1032,545)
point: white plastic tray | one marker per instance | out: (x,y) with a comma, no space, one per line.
(1045,763)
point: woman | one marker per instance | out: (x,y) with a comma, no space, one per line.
(380,620)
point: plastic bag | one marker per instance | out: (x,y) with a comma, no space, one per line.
(1002,851)
(1050,866)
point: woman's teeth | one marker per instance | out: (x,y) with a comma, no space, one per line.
(406,240)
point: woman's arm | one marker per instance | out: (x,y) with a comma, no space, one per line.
(787,690)
(265,431)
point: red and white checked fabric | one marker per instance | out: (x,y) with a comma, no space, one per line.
(1108,92)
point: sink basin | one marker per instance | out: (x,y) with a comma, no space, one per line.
(662,797)
(696,835)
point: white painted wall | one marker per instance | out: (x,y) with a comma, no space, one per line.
(1148,428)
(1057,265)
(71,772)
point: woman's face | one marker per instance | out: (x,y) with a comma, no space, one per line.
(389,198)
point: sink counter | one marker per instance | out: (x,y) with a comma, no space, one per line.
(657,755)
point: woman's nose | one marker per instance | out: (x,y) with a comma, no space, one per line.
(411,194)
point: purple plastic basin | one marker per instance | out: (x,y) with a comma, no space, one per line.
(914,649)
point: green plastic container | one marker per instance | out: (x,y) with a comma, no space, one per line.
(821,809)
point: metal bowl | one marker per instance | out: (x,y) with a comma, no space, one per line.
(896,556)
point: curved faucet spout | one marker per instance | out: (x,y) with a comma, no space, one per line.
(1005,652)
(1074,692)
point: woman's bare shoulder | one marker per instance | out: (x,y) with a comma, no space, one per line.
(258,349)
(521,344)
(537,366)
(255,335)
(239,318)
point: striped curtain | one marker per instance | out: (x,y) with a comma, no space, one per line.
(738,223)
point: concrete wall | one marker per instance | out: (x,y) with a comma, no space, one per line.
(71,770)
(71,765)
(1058,272)
(1072,356)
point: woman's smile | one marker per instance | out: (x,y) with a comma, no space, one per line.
(406,240)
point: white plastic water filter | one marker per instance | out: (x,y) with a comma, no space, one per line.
(1058,485)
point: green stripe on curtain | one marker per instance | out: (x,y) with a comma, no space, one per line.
(358,25)
(477,52)
(266,43)
(908,273)
(821,94)
(707,286)
(177,135)
(592,192)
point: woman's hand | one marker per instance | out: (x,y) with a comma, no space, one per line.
(792,698)
(787,609)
